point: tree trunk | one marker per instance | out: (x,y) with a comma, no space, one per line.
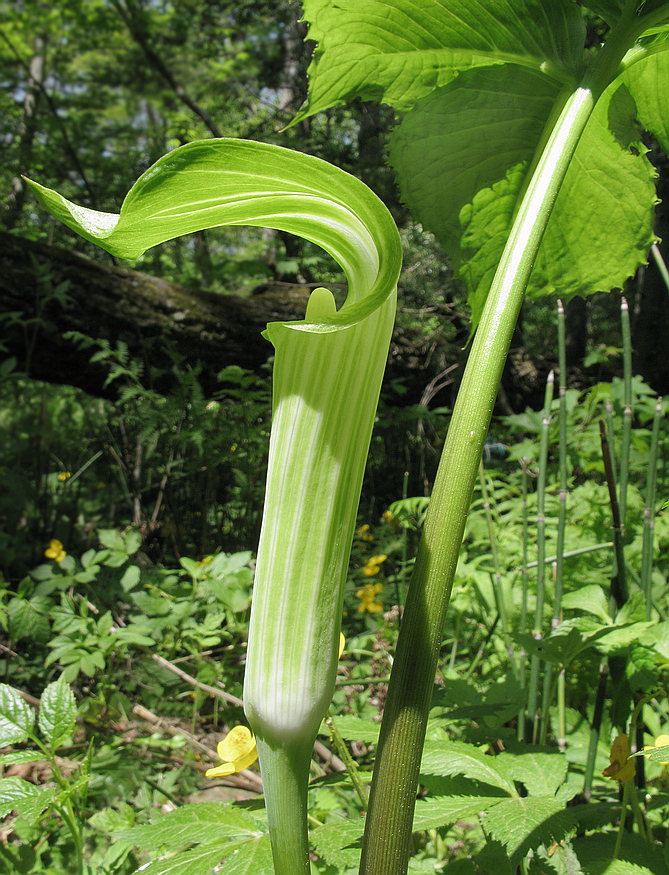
(27,131)
(46,292)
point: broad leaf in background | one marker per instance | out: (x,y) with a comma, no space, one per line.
(523,823)
(57,712)
(465,149)
(16,717)
(399,52)
(609,10)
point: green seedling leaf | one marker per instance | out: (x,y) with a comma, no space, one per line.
(253,857)
(56,714)
(17,718)
(191,566)
(542,773)
(130,578)
(21,756)
(456,758)
(355,729)
(29,618)
(136,634)
(334,841)
(521,824)
(28,800)
(197,861)
(192,823)
(588,598)
(443,811)
(399,52)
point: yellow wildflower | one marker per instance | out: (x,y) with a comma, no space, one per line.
(237,750)
(364,534)
(368,600)
(621,768)
(342,643)
(64,475)
(206,560)
(55,551)
(660,741)
(373,564)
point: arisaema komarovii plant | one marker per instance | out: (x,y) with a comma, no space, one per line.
(523,153)
(327,379)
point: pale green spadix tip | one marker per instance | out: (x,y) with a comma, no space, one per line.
(321,304)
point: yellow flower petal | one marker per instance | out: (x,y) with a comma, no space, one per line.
(342,644)
(237,750)
(220,771)
(621,768)
(55,551)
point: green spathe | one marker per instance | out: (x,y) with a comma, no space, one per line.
(327,378)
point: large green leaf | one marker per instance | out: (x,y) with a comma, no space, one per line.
(464,139)
(401,51)
(192,823)
(609,10)
(646,80)
(458,758)
(462,156)
(436,812)
(30,801)
(201,860)
(16,717)
(57,712)
(524,823)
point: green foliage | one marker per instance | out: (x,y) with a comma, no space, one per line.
(471,132)
(109,606)
(105,606)
(186,471)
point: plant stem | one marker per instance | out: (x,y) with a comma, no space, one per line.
(533,711)
(285,771)
(562,420)
(523,604)
(619,591)
(627,412)
(387,842)
(349,762)
(649,513)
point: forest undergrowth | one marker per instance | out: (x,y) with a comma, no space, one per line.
(123,644)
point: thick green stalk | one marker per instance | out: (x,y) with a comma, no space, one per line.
(387,842)
(285,774)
